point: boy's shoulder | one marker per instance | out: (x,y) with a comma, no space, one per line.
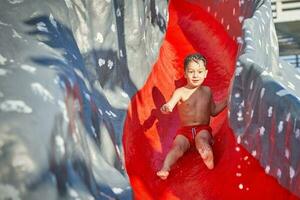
(180,89)
(206,89)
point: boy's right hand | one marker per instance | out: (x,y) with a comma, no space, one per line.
(165,109)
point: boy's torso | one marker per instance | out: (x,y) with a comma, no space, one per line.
(195,106)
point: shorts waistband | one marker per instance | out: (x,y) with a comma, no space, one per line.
(197,126)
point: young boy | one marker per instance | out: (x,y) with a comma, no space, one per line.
(195,106)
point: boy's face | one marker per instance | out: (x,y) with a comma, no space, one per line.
(195,73)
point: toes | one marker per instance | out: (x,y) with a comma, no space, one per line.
(163,174)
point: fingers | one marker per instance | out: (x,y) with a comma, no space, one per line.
(165,109)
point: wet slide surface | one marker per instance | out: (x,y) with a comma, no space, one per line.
(148,134)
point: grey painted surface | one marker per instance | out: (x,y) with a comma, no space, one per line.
(67,72)
(265,103)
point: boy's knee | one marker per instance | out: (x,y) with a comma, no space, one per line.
(204,136)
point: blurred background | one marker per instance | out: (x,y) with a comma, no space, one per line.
(286,15)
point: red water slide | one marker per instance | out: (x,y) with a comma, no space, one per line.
(148,133)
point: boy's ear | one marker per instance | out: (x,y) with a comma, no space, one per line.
(206,73)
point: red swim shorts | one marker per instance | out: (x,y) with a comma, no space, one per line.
(190,132)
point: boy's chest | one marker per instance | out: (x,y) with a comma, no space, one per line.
(198,99)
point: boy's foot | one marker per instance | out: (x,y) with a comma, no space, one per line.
(163,174)
(207,155)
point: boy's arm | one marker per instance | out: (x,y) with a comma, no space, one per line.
(217,108)
(168,107)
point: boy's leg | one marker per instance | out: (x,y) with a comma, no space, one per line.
(180,146)
(203,140)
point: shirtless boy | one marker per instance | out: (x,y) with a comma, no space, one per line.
(195,106)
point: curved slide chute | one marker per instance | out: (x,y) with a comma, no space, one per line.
(148,134)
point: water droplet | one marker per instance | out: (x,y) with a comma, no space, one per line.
(241,186)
